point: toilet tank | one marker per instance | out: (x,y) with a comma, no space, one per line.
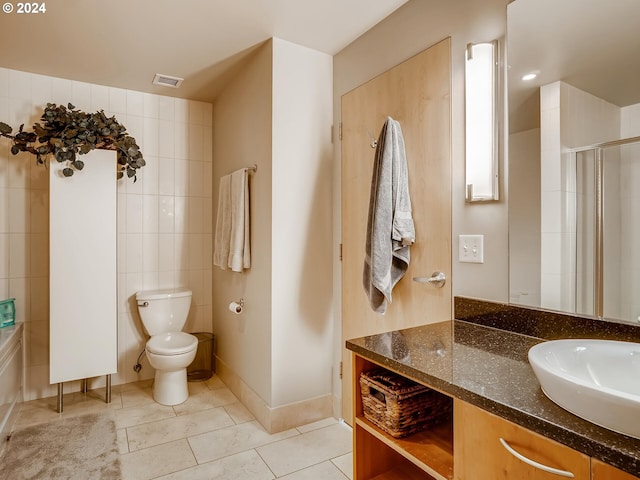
(163,311)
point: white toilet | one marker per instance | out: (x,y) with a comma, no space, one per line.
(169,350)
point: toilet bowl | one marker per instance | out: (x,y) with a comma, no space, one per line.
(169,350)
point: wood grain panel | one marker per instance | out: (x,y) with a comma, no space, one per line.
(479,455)
(602,471)
(416,93)
(430,450)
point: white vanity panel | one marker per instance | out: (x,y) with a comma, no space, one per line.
(83,304)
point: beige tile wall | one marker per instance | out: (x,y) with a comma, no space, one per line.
(164,219)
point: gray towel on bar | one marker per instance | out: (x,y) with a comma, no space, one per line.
(390,229)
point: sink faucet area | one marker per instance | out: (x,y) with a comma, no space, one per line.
(597,380)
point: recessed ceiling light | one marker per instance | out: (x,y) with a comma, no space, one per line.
(529,76)
(167,80)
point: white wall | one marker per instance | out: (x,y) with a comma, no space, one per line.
(301,238)
(524,218)
(630,121)
(242,125)
(630,209)
(277,113)
(164,219)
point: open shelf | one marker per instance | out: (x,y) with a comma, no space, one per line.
(431,450)
(404,472)
(426,455)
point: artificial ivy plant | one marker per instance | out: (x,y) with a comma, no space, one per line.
(67,133)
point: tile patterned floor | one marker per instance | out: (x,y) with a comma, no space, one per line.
(210,436)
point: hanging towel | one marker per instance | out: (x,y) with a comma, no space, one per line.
(390,229)
(232,240)
(239,254)
(223,224)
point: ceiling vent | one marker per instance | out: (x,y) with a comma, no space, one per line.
(167,80)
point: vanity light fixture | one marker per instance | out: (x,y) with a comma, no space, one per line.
(529,76)
(167,80)
(482,106)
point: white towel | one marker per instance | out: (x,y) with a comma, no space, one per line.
(390,229)
(232,240)
(223,224)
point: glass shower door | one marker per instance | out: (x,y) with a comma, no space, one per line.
(607,231)
(621,232)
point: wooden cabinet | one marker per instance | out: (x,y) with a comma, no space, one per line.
(487,448)
(426,455)
(602,471)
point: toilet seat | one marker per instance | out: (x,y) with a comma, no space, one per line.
(172,343)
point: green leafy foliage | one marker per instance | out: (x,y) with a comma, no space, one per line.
(67,133)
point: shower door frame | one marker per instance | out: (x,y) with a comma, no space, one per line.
(598,282)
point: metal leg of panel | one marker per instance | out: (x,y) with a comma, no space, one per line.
(108,397)
(83,385)
(59,405)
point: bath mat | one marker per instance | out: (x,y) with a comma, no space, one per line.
(82,448)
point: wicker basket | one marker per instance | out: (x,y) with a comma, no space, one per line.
(400,406)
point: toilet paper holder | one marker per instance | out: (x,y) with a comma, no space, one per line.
(237,307)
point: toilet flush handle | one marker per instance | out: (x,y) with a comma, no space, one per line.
(143,304)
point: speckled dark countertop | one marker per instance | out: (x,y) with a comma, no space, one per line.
(488,367)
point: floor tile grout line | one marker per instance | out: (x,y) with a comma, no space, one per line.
(114,410)
(311,465)
(176,439)
(289,438)
(255,447)
(265,462)
(147,422)
(198,464)
(181,469)
(126,434)
(338,467)
(274,442)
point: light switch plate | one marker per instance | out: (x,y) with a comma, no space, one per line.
(471,248)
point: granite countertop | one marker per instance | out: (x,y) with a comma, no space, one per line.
(488,367)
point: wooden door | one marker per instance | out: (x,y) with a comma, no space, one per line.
(416,93)
(479,454)
(602,471)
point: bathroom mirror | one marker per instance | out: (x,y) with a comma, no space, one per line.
(563,255)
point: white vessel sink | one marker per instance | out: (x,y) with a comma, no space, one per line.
(598,380)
